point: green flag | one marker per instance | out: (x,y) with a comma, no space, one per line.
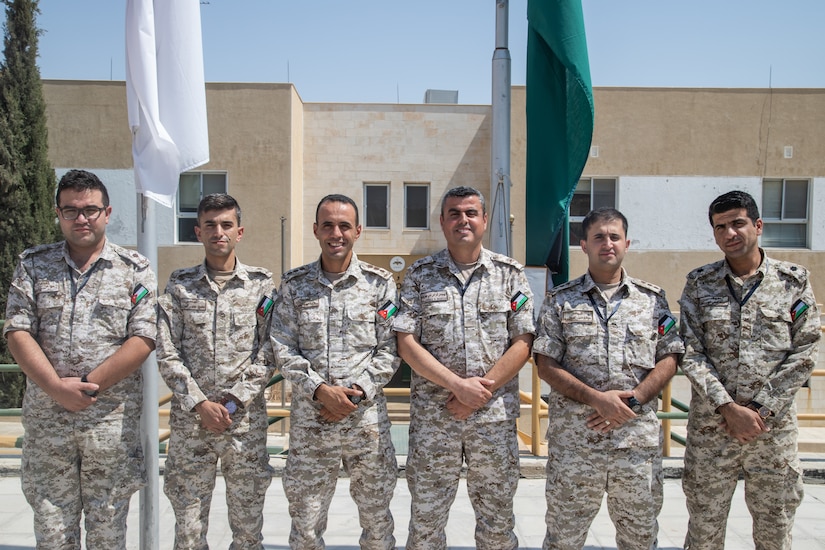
(559,126)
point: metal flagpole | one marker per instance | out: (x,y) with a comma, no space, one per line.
(500,230)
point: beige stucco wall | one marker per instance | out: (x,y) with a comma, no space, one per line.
(347,145)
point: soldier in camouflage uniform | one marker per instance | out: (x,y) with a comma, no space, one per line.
(80,320)
(607,345)
(465,328)
(212,323)
(333,340)
(751,329)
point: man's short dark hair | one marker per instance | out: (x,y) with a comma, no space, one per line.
(218,201)
(461,192)
(337,198)
(81,180)
(604,214)
(733,200)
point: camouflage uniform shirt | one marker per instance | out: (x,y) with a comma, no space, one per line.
(613,355)
(466,327)
(762,350)
(81,321)
(209,340)
(335,333)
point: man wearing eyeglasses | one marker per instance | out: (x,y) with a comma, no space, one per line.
(80,320)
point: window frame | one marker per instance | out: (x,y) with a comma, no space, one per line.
(426,206)
(181,215)
(579,219)
(366,203)
(783,219)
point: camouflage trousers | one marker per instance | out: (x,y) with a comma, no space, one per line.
(311,473)
(70,467)
(438,449)
(773,482)
(189,480)
(577,479)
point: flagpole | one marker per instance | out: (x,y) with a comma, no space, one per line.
(150,493)
(500,229)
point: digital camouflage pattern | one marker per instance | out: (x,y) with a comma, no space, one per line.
(761,351)
(616,355)
(95,452)
(467,328)
(338,334)
(209,345)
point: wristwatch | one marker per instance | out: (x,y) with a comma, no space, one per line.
(764,412)
(90,393)
(229,404)
(635,405)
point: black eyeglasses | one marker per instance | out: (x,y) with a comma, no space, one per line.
(71,213)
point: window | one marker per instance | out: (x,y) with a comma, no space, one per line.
(416,206)
(377,205)
(785,213)
(193,187)
(590,193)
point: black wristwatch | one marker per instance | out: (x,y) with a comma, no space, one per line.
(90,393)
(763,411)
(635,405)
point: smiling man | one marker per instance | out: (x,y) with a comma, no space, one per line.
(751,328)
(212,327)
(465,328)
(332,336)
(80,320)
(607,345)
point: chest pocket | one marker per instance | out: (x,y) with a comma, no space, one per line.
(774,329)
(49,311)
(360,326)
(436,322)
(640,346)
(311,325)
(493,318)
(244,327)
(112,315)
(196,314)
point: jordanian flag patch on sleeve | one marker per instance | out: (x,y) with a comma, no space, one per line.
(139,294)
(798,309)
(665,324)
(388,310)
(518,301)
(264,306)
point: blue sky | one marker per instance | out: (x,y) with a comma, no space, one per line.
(390,50)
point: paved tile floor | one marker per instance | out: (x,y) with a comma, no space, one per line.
(343,531)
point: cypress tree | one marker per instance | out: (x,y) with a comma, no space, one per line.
(27,179)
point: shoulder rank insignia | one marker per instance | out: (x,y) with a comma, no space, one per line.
(264,306)
(518,301)
(388,310)
(665,324)
(140,293)
(798,309)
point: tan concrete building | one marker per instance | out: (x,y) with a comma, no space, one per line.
(659,155)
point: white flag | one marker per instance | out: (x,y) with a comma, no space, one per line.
(165,93)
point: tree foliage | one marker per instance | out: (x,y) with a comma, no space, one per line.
(27,180)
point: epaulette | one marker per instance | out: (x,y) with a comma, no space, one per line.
(257,270)
(132,256)
(422,261)
(185,273)
(706,269)
(790,269)
(380,271)
(564,286)
(292,273)
(649,286)
(506,260)
(39,248)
